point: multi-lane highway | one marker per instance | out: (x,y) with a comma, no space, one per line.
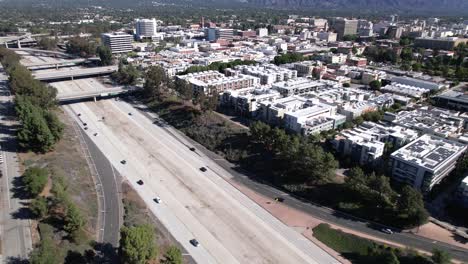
(230,227)
(15,229)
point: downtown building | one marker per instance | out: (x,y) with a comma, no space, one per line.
(146,28)
(118,42)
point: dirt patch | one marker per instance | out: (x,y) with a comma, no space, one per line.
(68,161)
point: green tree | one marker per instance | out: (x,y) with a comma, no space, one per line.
(440,256)
(155,82)
(74,220)
(411,205)
(105,54)
(137,244)
(47,43)
(45,253)
(55,125)
(39,207)
(82,47)
(173,256)
(375,85)
(356,178)
(126,74)
(34,132)
(183,88)
(259,131)
(35,179)
(389,257)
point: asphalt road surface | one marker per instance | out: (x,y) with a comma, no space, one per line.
(323,213)
(230,227)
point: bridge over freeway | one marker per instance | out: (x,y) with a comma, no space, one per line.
(76,96)
(56,65)
(50,76)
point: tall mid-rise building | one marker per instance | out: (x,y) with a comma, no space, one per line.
(426,161)
(344,27)
(145,28)
(118,42)
(225,33)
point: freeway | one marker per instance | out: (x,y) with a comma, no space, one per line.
(72,73)
(15,228)
(315,210)
(230,227)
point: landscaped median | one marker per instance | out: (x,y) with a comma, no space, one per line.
(363,251)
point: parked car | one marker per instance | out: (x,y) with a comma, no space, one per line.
(194,242)
(192,149)
(140,182)
(157,200)
(203,169)
(279,199)
(123,162)
(129,114)
(387,231)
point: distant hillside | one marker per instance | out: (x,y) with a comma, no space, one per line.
(368,5)
(442,7)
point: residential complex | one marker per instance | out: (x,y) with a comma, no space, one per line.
(209,82)
(426,161)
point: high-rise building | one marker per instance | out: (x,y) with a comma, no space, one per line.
(210,34)
(118,42)
(146,28)
(344,27)
(394,32)
(225,33)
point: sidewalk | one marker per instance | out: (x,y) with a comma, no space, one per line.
(304,223)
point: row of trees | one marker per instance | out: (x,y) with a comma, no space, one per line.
(34,105)
(295,160)
(126,74)
(218,66)
(288,58)
(57,208)
(375,191)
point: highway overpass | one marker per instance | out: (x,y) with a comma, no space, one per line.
(77,96)
(64,74)
(58,64)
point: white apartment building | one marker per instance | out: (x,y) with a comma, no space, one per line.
(435,121)
(145,28)
(371,132)
(118,42)
(305,68)
(332,58)
(208,82)
(405,90)
(327,36)
(262,32)
(267,73)
(426,161)
(297,86)
(417,83)
(313,118)
(361,147)
(246,102)
(299,114)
